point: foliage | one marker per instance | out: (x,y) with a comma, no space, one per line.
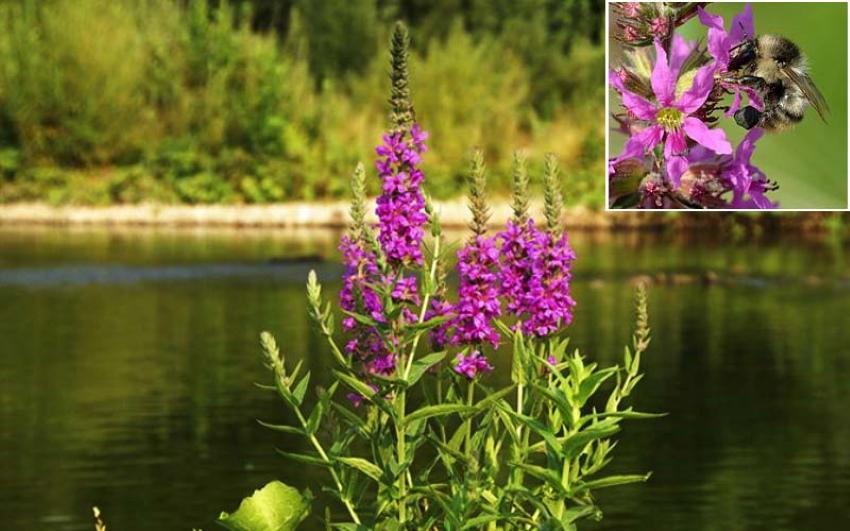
(123,102)
(415,436)
(275,507)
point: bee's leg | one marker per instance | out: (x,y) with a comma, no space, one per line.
(755,82)
(748,117)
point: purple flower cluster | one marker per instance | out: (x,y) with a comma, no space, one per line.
(676,109)
(472,365)
(401,206)
(535,278)
(636,23)
(478,293)
(359,297)
(441,334)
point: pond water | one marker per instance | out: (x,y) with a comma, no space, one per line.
(127,363)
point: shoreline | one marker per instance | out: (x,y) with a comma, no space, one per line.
(453,214)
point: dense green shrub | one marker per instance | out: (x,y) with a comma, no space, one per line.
(198,102)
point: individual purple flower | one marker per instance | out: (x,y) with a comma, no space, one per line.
(631,9)
(671,118)
(472,365)
(478,293)
(442,333)
(659,26)
(720,45)
(401,206)
(536,276)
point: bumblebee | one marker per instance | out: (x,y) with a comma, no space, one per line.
(776,69)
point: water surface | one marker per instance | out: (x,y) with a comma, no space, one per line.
(127,360)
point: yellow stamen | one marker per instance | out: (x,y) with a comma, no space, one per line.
(670,119)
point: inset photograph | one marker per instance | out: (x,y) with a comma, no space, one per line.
(739,106)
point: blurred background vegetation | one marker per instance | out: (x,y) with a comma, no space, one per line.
(254,101)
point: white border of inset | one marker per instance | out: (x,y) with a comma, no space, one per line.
(764,211)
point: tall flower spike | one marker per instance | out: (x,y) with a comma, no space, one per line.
(553,199)
(519,187)
(477,195)
(402,116)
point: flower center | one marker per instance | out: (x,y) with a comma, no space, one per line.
(670,119)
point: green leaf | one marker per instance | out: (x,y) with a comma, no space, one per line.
(438,410)
(355,384)
(577,513)
(367,467)
(479,521)
(518,367)
(431,323)
(574,444)
(301,389)
(315,418)
(275,507)
(627,201)
(612,481)
(549,477)
(423,364)
(282,428)
(304,458)
(538,427)
(592,383)
(362,319)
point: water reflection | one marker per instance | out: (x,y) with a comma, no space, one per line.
(127,361)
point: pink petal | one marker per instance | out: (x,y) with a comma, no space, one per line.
(676,167)
(639,106)
(718,42)
(680,49)
(693,98)
(755,99)
(745,149)
(742,26)
(713,139)
(709,20)
(736,104)
(663,80)
(615,81)
(640,142)
(675,144)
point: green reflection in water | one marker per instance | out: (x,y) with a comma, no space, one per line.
(128,357)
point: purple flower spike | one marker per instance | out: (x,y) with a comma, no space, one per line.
(401,206)
(536,278)
(472,365)
(478,293)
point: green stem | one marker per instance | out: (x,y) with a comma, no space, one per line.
(470,396)
(432,275)
(318,446)
(401,450)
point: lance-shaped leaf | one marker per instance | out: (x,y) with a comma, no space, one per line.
(367,467)
(275,507)
(438,411)
(423,364)
(611,481)
(574,444)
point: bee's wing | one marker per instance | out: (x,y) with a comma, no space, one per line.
(805,83)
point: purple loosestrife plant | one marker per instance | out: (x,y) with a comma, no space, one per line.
(672,93)
(414,434)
